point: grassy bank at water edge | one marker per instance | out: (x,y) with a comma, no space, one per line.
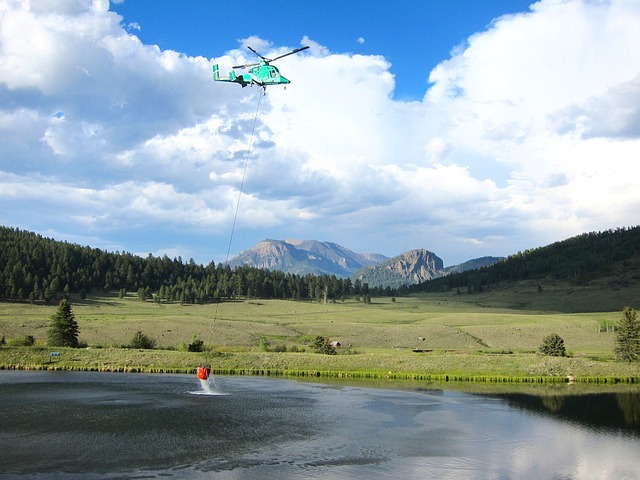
(435,366)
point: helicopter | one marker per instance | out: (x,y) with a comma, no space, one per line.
(261,73)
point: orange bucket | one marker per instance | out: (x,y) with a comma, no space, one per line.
(203,372)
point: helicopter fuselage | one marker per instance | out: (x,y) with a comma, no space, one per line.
(266,75)
(262,73)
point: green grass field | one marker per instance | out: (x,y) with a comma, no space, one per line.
(460,335)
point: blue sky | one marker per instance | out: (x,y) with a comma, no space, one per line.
(414,36)
(468,128)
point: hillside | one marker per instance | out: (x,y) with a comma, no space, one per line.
(597,271)
(472,264)
(303,257)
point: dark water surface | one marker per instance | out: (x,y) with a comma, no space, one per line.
(56,425)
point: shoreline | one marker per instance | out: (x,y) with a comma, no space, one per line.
(323,374)
(467,367)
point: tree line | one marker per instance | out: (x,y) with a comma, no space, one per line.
(34,268)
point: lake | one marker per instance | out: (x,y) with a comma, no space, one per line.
(57,425)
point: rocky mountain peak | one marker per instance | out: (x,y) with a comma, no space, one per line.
(305,256)
(417,265)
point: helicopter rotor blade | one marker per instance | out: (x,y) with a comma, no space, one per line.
(263,58)
(246,65)
(290,53)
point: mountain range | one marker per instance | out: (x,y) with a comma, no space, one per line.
(591,272)
(303,257)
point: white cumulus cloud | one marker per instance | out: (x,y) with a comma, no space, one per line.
(527,134)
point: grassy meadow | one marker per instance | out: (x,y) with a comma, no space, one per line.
(492,336)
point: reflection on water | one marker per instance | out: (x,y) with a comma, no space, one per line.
(629,404)
(97,426)
(610,411)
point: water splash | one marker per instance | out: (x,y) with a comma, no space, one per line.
(208,387)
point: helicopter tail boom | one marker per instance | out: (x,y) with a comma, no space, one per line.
(216,75)
(231,78)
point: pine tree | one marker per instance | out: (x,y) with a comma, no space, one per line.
(63,331)
(553,345)
(628,336)
(323,345)
(140,340)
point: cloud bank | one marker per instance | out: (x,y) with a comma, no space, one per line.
(529,133)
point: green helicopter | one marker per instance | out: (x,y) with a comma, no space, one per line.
(262,73)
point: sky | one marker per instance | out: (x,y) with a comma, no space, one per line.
(468,128)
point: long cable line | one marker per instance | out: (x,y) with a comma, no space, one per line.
(244,173)
(235,216)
